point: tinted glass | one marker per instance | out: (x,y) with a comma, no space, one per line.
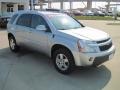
(13,18)
(24,20)
(37,20)
(64,22)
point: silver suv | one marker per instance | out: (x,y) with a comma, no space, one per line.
(68,42)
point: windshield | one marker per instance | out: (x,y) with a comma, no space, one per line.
(64,22)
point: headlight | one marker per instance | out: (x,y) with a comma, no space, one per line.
(87,46)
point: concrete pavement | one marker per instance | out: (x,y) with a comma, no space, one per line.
(30,70)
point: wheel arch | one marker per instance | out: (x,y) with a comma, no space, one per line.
(10,34)
(58,46)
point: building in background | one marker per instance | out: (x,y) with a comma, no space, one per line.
(8,7)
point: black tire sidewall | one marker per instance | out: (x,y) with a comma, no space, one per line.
(16,47)
(70,59)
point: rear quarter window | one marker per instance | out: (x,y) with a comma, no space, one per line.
(13,18)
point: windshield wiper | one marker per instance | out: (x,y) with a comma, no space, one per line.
(62,29)
(76,27)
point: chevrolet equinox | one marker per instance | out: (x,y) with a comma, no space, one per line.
(68,42)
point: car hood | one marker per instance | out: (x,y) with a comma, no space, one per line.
(87,33)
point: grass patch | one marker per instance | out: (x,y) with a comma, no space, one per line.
(94,18)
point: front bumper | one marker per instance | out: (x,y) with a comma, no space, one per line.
(88,59)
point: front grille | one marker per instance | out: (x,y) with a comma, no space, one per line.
(103,41)
(105,47)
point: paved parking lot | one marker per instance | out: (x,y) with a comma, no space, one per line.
(29,70)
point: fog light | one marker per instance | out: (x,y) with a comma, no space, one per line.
(91,59)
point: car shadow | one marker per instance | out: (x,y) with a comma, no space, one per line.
(88,78)
(92,78)
(3,29)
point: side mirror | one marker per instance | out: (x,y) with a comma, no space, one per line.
(41,28)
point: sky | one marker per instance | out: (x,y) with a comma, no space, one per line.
(81,5)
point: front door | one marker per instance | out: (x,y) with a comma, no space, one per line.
(39,39)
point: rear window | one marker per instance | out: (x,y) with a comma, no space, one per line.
(13,18)
(24,20)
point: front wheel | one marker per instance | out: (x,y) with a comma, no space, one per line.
(12,44)
(63,61)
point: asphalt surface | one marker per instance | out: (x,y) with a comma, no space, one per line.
(30,70)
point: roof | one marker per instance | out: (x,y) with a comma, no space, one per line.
(38,12)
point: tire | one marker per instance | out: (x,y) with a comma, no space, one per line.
(63,61)
(12,44)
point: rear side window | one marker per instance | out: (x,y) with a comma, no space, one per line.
(13,18)
(24,20)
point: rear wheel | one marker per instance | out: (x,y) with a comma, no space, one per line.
(12,44)
(63,61)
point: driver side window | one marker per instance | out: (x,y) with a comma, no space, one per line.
(37,20)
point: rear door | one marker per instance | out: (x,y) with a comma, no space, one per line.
(23,28)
